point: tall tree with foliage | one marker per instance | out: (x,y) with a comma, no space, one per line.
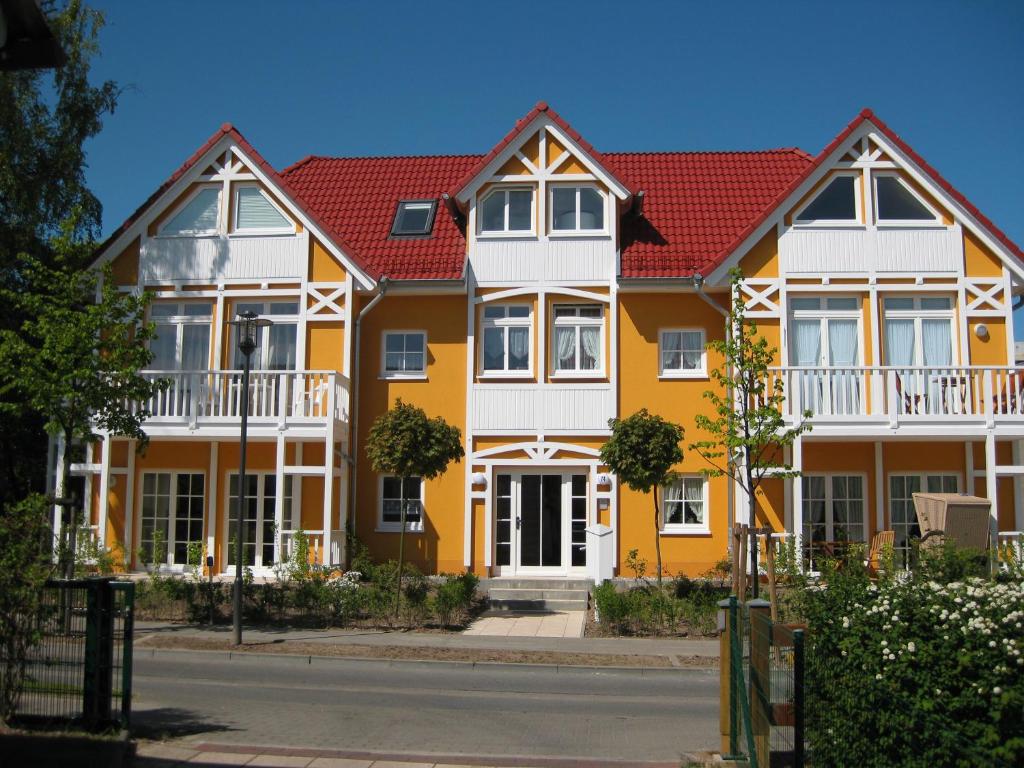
(75,360)
(641,451)
(747,432)
(406,443)
(45,119)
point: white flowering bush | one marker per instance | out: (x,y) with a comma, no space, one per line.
(915,671)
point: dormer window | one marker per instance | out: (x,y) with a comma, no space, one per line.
(896,202)
(198,216)
(255,212)
(577,209)
(507,210)
(836,203)
(414,218)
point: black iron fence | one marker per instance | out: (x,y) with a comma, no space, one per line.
(762,668)
(80,670)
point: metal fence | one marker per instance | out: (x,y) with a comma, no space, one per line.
(762,713)
(80,671)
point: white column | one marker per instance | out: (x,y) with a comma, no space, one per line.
(211,501)
(787,491)
(879,488)
(991,488)
(332,407)
(1018,489)
(467,522)
(104,510)
(129,506)
(969,467)
(58,491)
(798,492)
(279,497)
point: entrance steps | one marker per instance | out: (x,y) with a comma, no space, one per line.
(537,594)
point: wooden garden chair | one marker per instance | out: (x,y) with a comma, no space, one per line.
(879,541)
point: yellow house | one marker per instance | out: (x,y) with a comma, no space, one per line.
(528,296)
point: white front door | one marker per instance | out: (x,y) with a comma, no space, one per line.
(540,519)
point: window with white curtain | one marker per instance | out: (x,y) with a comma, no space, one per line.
(919,331)
(684,505)
(182,340)
(278,343)
(393,491)
(833,512)
(681,353)
(255,212)
(506,339)
(576,209)
(577,342)
(825,333)
(198,216)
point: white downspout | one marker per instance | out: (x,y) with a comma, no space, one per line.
(382,287)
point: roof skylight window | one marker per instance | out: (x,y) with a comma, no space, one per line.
(414,218)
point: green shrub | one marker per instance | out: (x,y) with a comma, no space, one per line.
(454,598)
(913,671)
(612,605)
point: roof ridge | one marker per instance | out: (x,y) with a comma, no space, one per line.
(467,155)
(297,164)
(769,150)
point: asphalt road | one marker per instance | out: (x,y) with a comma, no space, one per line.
(425,708)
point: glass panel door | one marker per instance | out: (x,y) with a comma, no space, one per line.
(540,521)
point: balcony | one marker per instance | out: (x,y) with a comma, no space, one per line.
(864,397)
(219,257)
(532,408)
(209,400)
(892,250)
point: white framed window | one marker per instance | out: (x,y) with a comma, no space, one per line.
(838,203)
(414,218)
(173,505)
(182,340)
(404,355)
(507,331)
(277,349)
(198,215)
(897,203)
(576,209)
(260,517)
(393,492)
(902,515)
(577,347)
(919,331)
(834,513)
(508,211)
(682,353)
(255,213)
(684,505)
(825,332)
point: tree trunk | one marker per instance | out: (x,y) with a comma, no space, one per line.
(401,550)
(657,534)
(752,518)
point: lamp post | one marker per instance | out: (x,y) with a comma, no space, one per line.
(248,326)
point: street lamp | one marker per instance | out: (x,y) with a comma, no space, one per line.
(247,325)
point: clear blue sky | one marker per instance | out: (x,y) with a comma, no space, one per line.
(346,78)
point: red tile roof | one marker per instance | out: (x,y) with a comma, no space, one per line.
(695,204)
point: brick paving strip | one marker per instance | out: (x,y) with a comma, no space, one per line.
(424,653)
(207,753)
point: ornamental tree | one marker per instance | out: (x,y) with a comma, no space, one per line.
(75,359)
(405,442)
(641,451)
(747,431)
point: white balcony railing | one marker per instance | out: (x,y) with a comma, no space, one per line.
(166,259)
(192,398)
(900,394)
(567,408)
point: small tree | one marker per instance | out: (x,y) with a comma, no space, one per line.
(406,443)
(642,450)
(75,359)
(747,431)
(25,566)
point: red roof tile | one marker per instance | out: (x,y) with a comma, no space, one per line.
(695,204)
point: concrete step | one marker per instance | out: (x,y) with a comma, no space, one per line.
(526,582)
(511,604)
(524,594)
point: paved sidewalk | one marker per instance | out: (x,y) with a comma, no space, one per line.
(536,624)
(640,646)
(155,754)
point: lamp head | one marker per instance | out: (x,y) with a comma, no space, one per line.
(248,324)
